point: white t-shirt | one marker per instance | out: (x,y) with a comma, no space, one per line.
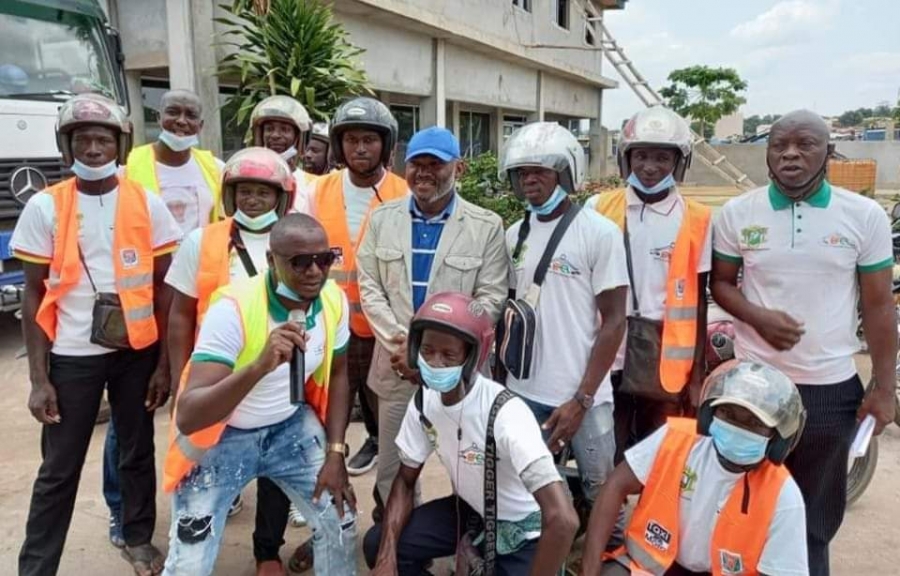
(185,266)
(356,201)
(706,486)
(516,433)
(304,181)
(186,194)
(589,260)
(221,340)
(33,240)
(804,259)
(652,230)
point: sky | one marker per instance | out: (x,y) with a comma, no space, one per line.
(825,55)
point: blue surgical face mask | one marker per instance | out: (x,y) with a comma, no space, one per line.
(550,205)
(737,445)
(178,143)
(254,224)
(661,186)
(287,292)
(289,154)
(439,379)
(92,173)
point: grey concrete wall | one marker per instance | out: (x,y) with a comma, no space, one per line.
(569,98)
(142,24)
(480,79)
(751,158)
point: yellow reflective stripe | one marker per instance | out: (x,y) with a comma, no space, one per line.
(188,448)
(681,313)
(678,352)
(343,275)
(645,560)
(141,313)
(135,281)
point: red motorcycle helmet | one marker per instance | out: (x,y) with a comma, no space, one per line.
(457,314)
(719,344)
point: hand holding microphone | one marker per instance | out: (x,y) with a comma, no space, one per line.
(281,345)
(298,357)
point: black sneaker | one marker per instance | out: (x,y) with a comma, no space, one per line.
(116,538)
(365,459)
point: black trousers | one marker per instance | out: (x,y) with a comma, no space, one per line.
(636,418)
(359,360)
(819,462)
(433,531)
(79,383)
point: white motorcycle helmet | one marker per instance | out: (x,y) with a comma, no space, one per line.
(544,145)
(656,127)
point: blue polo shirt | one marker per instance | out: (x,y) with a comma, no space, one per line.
(426,233)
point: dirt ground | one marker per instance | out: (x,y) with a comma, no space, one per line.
(867,543)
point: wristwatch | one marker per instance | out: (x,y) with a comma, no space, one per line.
(339,447)
(586,400)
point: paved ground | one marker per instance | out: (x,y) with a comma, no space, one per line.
(867,543)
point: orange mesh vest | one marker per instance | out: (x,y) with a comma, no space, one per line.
(132,260)
(330,211)
(214,270)
(679,338)
(741,530)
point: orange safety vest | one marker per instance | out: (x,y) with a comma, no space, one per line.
(679,338)
(214,270)
(252,301)
(132,255)
(330,211)
(742,527)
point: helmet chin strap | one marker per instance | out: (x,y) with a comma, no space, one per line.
(806,189)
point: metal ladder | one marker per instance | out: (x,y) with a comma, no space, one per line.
(711,157)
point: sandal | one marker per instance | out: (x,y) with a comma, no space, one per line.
(146,559)
(302,558)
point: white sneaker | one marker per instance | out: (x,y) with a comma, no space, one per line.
(296,518)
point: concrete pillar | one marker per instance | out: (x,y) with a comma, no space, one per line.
(192,61)
(455,107)
(433,110)
(597,167)
(497,132)
(538,114)
(136,103)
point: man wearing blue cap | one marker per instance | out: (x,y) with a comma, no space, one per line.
(433,241)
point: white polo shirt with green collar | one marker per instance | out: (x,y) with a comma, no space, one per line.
(803,258)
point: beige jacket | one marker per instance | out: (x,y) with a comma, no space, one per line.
(471,258)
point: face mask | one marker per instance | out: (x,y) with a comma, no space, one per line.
(737,445)
(287,292)
(289,154)
(91,173)
(178,143)
(260,222)
(662,186)
(439,379)
(550,205)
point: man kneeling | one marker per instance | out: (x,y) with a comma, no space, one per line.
(716,498)
(449,339)
(235,420)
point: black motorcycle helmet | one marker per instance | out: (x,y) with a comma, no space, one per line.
(367,113)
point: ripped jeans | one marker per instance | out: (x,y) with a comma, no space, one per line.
(291,454)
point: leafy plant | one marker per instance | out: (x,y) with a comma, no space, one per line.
(291,47)
(704,94)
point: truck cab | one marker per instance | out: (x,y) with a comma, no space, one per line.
(50,50)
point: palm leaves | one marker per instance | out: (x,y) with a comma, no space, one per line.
(290,47)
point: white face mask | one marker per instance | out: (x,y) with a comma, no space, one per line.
(178,143)
(289,154)
(257,223)
(94,173)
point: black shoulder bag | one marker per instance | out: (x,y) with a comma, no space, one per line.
(518,322)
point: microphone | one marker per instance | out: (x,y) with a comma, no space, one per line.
(298,361)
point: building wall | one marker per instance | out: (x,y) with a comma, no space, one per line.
(476,78)
(570,98)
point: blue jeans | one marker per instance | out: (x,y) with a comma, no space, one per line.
(291,454)
(111,491)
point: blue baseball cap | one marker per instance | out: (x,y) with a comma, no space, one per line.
(436,141)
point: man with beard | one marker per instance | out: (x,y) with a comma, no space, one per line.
(809,251)
(432,242)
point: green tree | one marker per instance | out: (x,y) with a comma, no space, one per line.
(755,121)
(704,94)
(291,47)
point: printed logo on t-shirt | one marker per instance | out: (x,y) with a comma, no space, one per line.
(657,536)
(520,259)
(732,563)
(563,267)
(688,481)
(838,240)
(129,257)
(663,253)
(473,455)
(754,237)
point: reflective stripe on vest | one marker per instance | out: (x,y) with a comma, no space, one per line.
(653,537)
(141,167)
(132,260)
(252,301)
(214,267)
(329,210)
(679,339)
